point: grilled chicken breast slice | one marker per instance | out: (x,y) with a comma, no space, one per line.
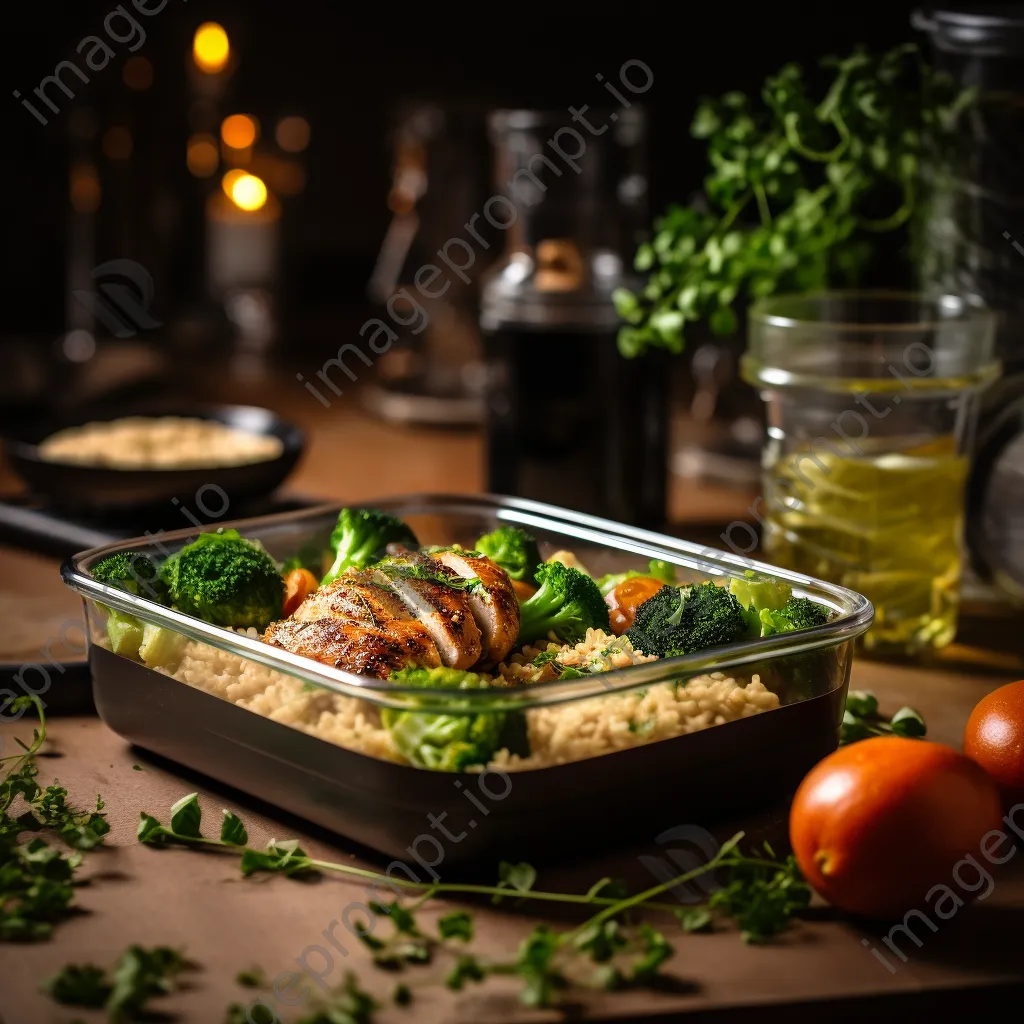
(358,596)
(359,649)
(422,584)
(493,603)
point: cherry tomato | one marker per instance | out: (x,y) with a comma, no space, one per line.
(994,737)
(627,597)
(879,823)
(298,585)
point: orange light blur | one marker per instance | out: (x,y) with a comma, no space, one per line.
(138,74)
(292,134)
(86,193)
(211,49)
(202,155)
(245,190)
(118,143)
(239,131)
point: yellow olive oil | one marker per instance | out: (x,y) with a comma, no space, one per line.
(887,525)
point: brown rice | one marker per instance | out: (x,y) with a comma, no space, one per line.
(557,735)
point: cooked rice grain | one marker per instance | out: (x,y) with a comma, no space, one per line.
(558,735)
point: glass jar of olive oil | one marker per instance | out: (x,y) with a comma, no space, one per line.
(872,400)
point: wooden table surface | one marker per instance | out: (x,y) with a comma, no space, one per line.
(199,901)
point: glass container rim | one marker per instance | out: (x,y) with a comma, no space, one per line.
(855,618)
(760,311)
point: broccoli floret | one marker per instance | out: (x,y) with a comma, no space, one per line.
(134,571)
(567,603)
(361,537)
(760,596)
(657,570)
(760,593)
(139,574)
(797,613)
(225,579)
(681,620)
(514,550)
(447,743)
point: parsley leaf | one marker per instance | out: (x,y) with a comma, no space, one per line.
(517,877)
(456,925)
(139,975)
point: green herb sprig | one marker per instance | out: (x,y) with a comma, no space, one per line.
(606,950)
(799,190)
(138,976)
(862,719)
(37,880)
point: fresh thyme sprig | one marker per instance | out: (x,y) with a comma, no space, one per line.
(607,950)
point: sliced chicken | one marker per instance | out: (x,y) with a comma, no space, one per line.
(493,603)
(423,585)
(359,649)
(358,597)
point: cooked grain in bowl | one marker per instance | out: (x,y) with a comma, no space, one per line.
(557,735)
(161,442)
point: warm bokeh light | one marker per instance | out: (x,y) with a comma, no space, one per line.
(118,143)
(292,134)
(210,48)
(138,74)
(246,191)
(227,183)
(203,157)
(86,193)
(239,131)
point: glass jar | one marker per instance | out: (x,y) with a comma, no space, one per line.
(872,400)
(569,420)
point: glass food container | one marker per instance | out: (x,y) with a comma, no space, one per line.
(872,400)
(729,728)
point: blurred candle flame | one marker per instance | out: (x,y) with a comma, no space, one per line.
(210,48)
(245,190)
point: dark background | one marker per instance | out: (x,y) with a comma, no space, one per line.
(347,68)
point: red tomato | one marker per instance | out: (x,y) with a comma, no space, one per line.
(298,585)
(627,597)
(877,824)
(994,737)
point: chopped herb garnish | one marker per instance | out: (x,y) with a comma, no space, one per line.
(862,719)
(138,976)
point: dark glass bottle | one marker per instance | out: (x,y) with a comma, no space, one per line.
(569,420)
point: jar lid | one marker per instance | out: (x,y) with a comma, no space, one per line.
(989,30)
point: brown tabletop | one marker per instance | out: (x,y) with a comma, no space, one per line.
(225,923)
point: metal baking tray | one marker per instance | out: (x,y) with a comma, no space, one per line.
(411,813)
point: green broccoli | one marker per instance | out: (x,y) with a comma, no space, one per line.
(225,579)
(514,550)
(797,613)
(657,569)
(139,574)
(361,537)
(567,603)
(446,743)
(133,571)
(760,593)
(681,620)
